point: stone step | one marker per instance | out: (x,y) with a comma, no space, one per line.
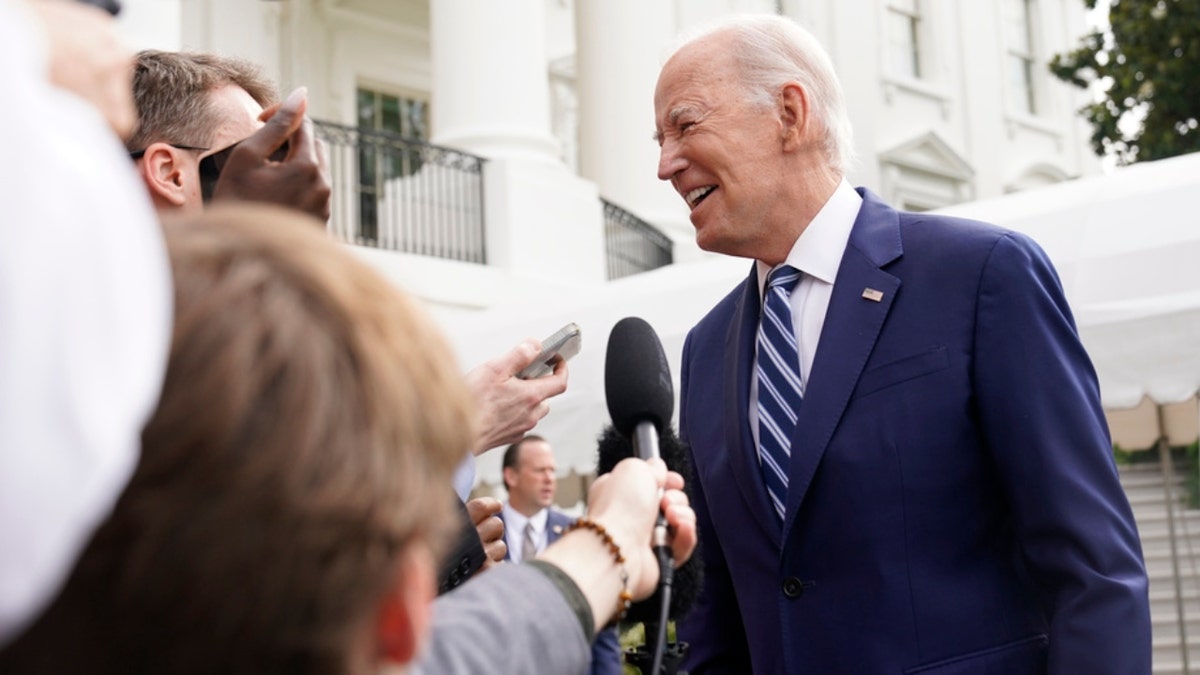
(1148,470)
(1154,498)
(1187,522)
(1168,658)
(1149,499)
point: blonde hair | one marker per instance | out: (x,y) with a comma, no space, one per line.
(309,424)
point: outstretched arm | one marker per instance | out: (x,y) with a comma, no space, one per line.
(508,405)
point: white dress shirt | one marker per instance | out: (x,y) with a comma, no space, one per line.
(85,322)
(514,531)
(817,253)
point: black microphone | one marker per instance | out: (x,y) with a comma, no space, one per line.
(641,400)
(637,384)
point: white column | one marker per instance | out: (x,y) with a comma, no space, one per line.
(490,88)
(491,97)
(619,49)
(249,30)
(151,24)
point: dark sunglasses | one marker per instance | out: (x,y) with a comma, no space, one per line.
(111,6)
(138,154)
(212,165)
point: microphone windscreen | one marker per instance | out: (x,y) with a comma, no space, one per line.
(637,378)
(614,447)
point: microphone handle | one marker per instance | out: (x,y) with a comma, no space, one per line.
(645,443)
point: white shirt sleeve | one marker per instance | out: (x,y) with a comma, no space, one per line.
(464,477)
(85,322)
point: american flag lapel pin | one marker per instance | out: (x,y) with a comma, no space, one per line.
(872,294)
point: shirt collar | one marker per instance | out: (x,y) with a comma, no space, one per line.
(818,250)
(514,521)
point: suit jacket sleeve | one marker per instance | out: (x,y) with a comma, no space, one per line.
(713,628)
(607,658)
(1040,411)
(510,619)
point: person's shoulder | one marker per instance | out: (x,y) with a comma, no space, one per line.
(947,233)
(927,223)
(938,224)
(966,245)
(558,521)
(556,518)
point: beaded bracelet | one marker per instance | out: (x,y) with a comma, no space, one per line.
(625,598)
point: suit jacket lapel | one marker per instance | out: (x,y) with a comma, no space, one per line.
(507,551)
(852,326)
(739,361)
(555,524)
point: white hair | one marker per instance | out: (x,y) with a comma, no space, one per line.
(770,51)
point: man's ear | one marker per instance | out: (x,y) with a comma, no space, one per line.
(162,172)
(793,115)
(406,612)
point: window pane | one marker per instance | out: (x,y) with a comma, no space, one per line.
(389,113)
(903,54)
(1016,19)
(1021,83)
(416,118)
(366,108)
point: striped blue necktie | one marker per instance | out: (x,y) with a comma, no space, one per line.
(778,384)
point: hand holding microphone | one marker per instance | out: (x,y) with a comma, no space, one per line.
(627,501)
(641,401)
(614,448)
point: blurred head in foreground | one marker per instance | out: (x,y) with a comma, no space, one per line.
(286,513)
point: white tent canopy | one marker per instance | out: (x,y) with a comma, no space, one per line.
(1126,244)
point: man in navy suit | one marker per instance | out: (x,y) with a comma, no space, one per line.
(531,524)
(939,494)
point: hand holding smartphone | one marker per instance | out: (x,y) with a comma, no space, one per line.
(560,346)
(211,166)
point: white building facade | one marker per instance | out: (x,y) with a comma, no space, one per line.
(950,102)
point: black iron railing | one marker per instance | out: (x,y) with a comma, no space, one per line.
(632,244)
(402,194)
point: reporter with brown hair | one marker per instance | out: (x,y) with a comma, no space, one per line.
(289,503)
(192,105)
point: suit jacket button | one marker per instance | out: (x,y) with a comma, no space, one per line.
(793,588)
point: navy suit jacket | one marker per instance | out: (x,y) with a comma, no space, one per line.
(607,658)
(953,505)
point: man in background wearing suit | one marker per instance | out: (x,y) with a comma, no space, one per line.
(531,524)
(903,466)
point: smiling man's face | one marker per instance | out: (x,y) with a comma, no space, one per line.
(722,153)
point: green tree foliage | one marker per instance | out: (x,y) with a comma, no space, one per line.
(1148,66)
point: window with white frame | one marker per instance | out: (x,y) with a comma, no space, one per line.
(1021,66)
(380,162)
(905,58)
(380,111)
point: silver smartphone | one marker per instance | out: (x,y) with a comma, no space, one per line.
(560,346)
